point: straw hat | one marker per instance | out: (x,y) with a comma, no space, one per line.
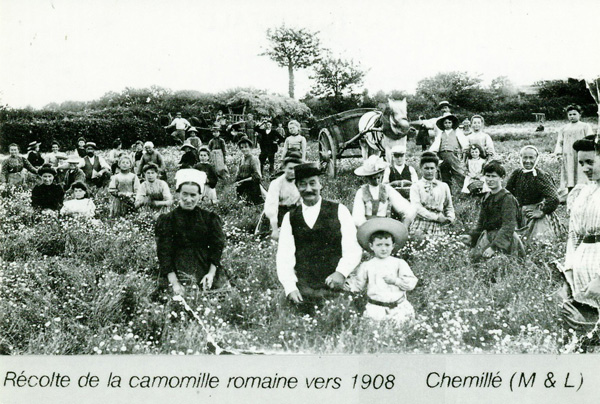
(371,166)
(187,143)
(392,226)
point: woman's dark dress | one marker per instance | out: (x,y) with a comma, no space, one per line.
(188,242)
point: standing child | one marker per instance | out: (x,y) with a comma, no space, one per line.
(295,142)
(386,278)
(478,136)
(570,172)
(218,152)
(153,193)
(474,183)
(123,187)
(81,204)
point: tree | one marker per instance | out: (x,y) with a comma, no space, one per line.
(292,48)
(459,88)
(336,77)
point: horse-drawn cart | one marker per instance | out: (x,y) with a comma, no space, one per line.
(339,136)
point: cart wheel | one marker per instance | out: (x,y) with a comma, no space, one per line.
(327,153)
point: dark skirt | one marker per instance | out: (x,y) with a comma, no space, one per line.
(250,190)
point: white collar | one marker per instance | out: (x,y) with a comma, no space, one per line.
(316,206)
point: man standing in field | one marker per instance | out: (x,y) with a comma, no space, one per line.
(317,248)
(181,125)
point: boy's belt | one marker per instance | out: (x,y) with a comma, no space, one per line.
(390,305)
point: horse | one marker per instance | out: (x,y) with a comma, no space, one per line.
(384,129)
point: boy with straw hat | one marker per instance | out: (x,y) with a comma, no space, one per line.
(386,278)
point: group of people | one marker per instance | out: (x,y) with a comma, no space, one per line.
(320,242)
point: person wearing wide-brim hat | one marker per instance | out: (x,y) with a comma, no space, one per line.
(72,172)
(190,155)
(386,278)
(34,156)
(450,145)
(248,175)
(317,243)
(189,239)
(283,194)
(48,195)
(375,199)
(193,138)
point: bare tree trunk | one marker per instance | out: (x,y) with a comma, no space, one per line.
(291,80)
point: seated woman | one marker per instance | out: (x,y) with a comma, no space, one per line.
(81,204)
(153,193)
(248,176)
(13,165)
(399,174)
(431,199)
(282,195)
(47,196)
(474,183)
(495,231)
(189,239)
(375,199)
(537,196)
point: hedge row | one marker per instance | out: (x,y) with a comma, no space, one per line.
(101,127)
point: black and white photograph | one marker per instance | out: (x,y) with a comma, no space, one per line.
(299,177)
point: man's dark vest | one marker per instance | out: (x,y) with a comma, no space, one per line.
(88,168)
(396,176)
(318,250)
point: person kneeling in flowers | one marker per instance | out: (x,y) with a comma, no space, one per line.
(537,196)
(81,204)
(153,193)
(386,278)
(189,239)
(47,196)
(495,231)
(377,200)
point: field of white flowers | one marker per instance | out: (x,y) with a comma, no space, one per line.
(80,287)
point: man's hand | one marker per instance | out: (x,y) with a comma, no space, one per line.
(295,296)
(275,234)
(488,252)
(534,214)
(335,280)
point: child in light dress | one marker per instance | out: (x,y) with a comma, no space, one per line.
(474,183)
(123,187)
(81,204)
(385,278)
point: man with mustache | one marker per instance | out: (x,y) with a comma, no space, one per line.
(96,169)
(317,248)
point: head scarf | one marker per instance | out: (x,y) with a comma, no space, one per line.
(537,159)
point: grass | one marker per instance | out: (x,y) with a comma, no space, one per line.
(79,287)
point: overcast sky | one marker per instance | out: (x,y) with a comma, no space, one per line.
(58,50)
